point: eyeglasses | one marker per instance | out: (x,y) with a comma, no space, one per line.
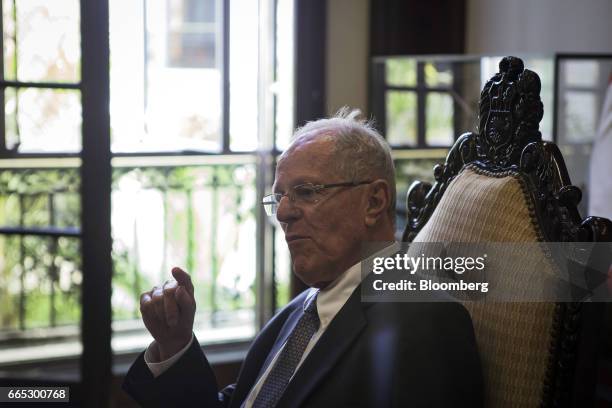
(307,193)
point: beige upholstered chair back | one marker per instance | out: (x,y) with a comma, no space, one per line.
(513,338)
(504,184)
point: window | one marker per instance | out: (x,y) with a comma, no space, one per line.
(581,91)
(427,102)
(423,104)
(40,265)
(419,103)
(178,198)
(197,91)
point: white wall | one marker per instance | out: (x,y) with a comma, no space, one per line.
(347,54)
(538,26)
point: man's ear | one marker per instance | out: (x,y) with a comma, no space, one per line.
(378,201)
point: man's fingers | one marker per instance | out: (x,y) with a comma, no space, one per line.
(185,301)
(164,305)
(183,279)
(146,305)
(170,307)
(145,298)
(157,297)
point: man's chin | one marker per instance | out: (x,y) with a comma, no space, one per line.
(306,273)
(304,277)
(312,276)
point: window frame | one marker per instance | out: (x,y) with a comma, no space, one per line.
(378,91)
(95,163)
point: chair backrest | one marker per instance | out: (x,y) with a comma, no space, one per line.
(504,184)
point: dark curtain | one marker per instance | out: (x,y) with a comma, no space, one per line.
(400,27)
(311,18)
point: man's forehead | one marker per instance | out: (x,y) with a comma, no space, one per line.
(308,161)
(316,140)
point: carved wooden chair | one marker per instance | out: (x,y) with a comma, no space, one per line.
(504,184)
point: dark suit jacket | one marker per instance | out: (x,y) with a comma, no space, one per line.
(371,355)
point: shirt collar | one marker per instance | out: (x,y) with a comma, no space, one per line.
(331,299)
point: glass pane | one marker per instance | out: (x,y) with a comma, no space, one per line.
(11,128)
(188,49)
(401,72)
(11,317)
(200,11)
(41,40)
(581,73)
(177,103)
(284,73)
(43,279)
(199,218)
(401,118)
(439,127)
(43,120)
(40,297)
(39,198)
(127,76)
(466,94)
(40,277)
(546,71)
(438,74)
(580,116)
(244,73)
(192,36)
(35,210)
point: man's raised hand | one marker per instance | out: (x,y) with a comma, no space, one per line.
(168,311)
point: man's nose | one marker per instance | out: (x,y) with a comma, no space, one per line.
(287,210)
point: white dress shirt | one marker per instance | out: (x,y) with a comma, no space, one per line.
(329,302)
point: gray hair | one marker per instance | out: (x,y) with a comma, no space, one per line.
(362,153)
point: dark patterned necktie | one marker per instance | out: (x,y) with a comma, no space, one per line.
(279,376)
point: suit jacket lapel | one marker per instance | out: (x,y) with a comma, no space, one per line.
(253,369)
(342,330)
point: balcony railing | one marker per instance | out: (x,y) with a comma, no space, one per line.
(200,217)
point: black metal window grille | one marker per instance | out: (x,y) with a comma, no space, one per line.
(418,97)
(79,181)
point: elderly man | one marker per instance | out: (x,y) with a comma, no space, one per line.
(334,190)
